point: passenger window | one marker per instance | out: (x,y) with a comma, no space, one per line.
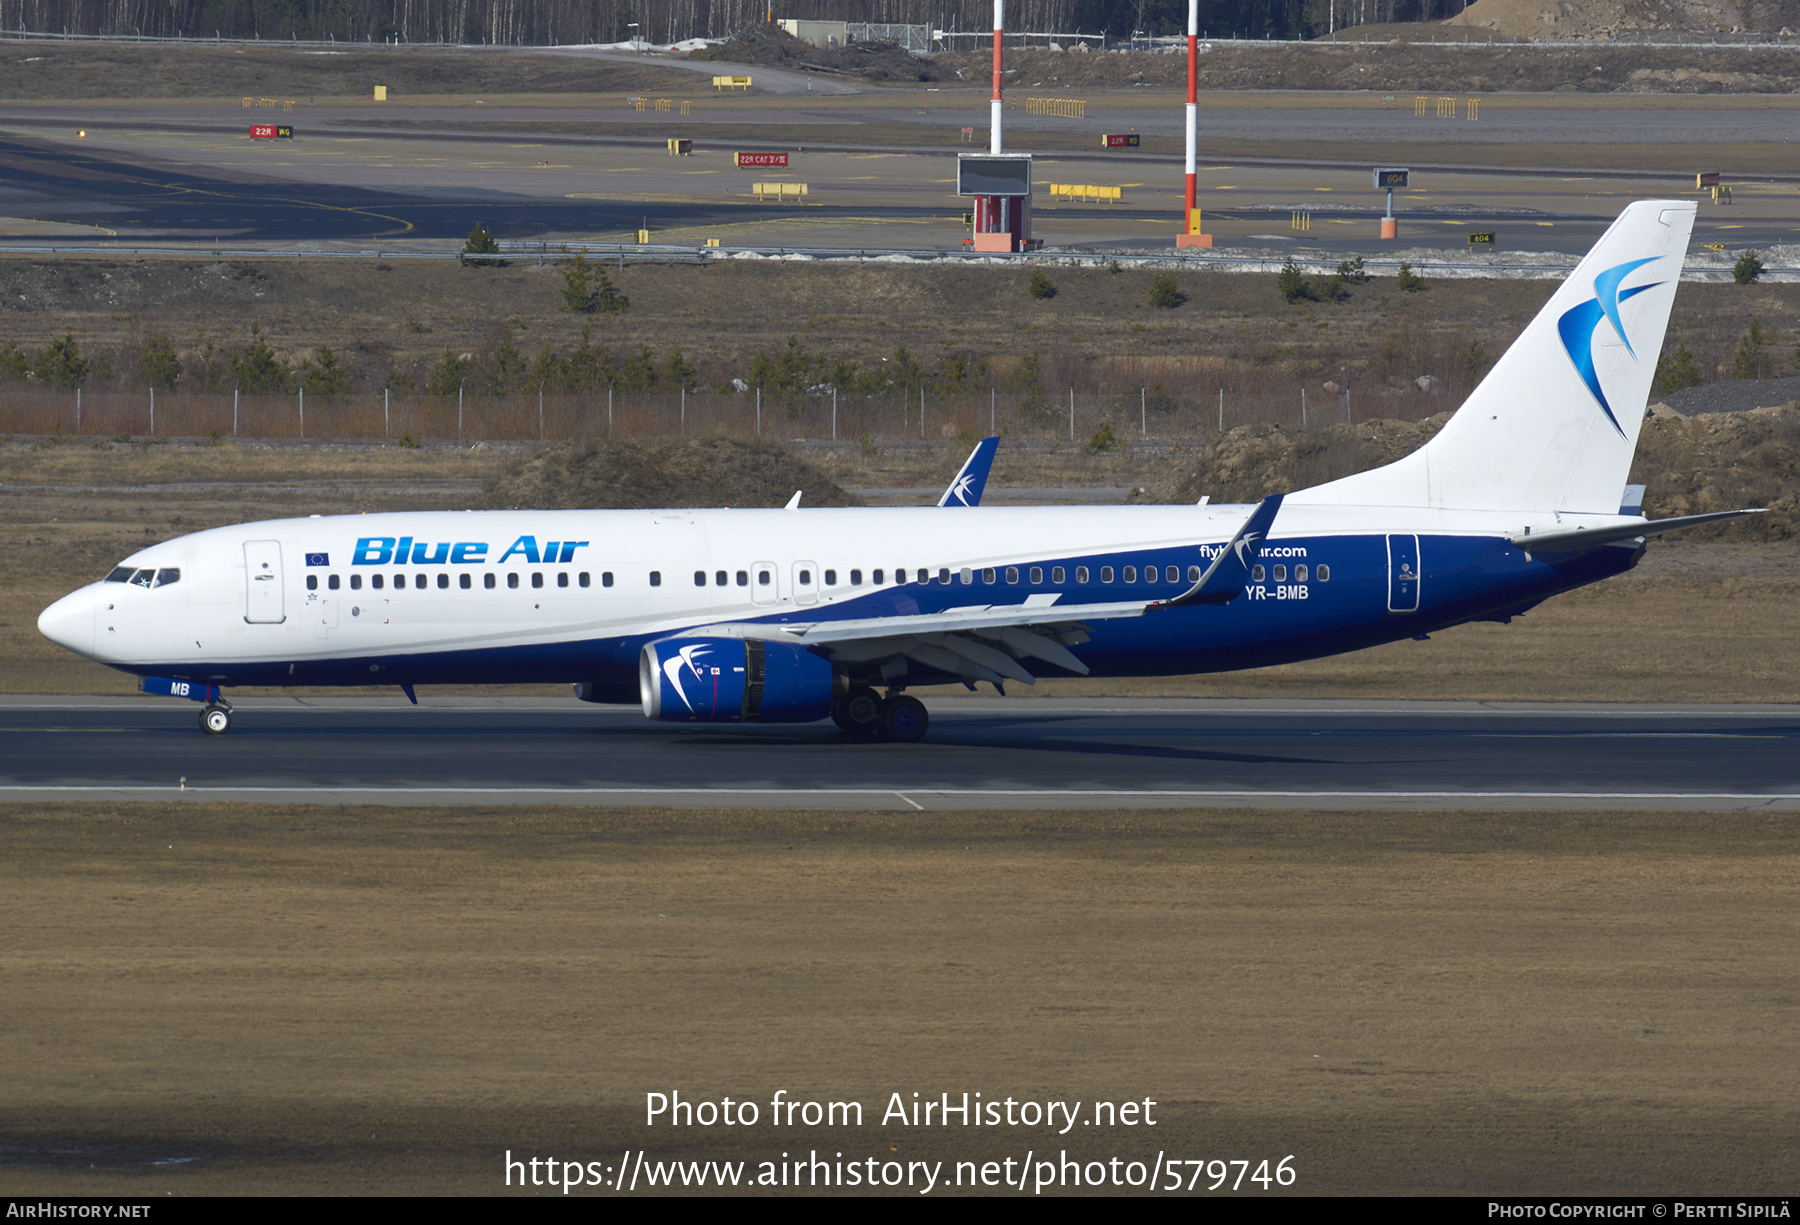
(1173,574)
(537,578)
(699,578)
(831,578)
(987,574)
(333,582)
(1281,574)
(1056,575)
(1193,574)
(356,582)
(488,581)
(944,576)
(743,578)
(420,581)
(465,581)
(166,576)
(1256,574)
(399,582)
(376,581)
(312,582)
(1130,574)
(1037,575)
(656,578)
(721,579)
(443,582)
(1300,574)
(856,578)
(562,579)
(1012,574)
(1324,573)
(762,578)
(606,578)
(966,575)
(1106,574)
(583,579)
(512,580)
(1081,574)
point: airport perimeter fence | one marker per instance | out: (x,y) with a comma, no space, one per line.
(1073,418)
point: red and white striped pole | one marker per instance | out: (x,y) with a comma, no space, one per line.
(1190,235)
(1193,103)
(994,108)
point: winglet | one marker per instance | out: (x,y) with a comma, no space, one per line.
(1230,570)
(966,489)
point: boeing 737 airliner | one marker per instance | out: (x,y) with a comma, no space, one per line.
(798,614)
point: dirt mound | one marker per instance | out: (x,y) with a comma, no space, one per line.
(776,48)
(1720,461)
(1606,18)
(1724,461)
(658,472)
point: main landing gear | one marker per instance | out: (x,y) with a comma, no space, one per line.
(864,714)
(215,718)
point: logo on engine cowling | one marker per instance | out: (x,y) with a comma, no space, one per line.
(686,657)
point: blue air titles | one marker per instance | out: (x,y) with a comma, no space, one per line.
(387,550)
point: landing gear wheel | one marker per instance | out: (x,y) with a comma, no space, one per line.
(858,712)
(902,719)
(215,720)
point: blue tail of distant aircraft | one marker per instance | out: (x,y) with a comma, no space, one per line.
(966,489)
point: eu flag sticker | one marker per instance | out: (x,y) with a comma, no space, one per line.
(318,559)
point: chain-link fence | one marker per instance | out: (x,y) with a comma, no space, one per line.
(1073,417)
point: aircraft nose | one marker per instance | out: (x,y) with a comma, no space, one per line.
(69,623)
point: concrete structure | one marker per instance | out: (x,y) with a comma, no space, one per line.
(818,33)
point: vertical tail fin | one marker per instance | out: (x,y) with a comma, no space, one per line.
(1554,424)
(965,489)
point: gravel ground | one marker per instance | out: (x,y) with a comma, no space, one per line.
(1739,395)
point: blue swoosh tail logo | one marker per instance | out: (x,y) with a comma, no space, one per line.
(1578,323)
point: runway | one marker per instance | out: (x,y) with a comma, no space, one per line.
(980,753)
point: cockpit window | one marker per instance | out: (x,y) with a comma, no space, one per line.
(167,575)
(143,578)
(120,574)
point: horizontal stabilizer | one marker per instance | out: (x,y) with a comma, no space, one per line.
(1230,570)
(1582,539)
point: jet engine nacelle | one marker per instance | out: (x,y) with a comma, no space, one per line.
(725,680)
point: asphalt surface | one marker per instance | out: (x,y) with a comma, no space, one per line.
(978,753)
(182,175)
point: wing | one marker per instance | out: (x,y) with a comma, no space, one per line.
(988,642)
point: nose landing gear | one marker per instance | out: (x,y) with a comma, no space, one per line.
(215,718)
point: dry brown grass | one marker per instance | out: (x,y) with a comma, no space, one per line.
(310,1000)
(54,72)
